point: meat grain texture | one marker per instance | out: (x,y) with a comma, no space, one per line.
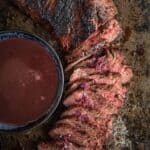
(98,95)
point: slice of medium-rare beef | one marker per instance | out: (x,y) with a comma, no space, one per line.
(70,134)
(81,73)
(103,65)
(97,77)
(57,145)
(83,116)
(95,82)
(97,135)
(114,64)
(110,60)
(96,41)
(117,90)
(115,60)
(76,114)
(85,128)
(78,138)
(85,84)
(72,21)
(48,146)
(53,145)
(110,106)
(86,63)
(94,98)
(87,99)
(77,125)
(102,110)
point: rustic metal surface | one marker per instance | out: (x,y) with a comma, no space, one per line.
(132,125)
(134,16)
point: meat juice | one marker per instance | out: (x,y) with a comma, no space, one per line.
(28,81)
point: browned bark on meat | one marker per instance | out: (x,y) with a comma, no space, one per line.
(96,41)
(72,21)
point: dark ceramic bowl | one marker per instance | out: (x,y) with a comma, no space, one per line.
(4,35)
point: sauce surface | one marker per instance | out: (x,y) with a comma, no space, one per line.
(28,81)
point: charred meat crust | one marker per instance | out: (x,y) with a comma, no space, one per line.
(96,41)
(72,21)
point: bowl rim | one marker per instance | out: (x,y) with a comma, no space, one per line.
(57,99)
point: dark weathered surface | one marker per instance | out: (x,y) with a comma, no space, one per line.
(71,20)
(134,118)
(133,122)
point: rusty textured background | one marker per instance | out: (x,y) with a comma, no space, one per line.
(132,125)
